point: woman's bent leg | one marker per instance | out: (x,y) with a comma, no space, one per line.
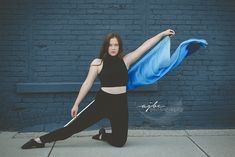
(118,137)
(118,117)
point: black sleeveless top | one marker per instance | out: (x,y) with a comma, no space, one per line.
(114,72)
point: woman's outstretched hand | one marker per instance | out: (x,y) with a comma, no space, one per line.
(168,32)
(74,111)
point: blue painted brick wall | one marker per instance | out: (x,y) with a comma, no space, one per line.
(55,41)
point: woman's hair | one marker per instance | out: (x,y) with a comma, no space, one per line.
(105,45)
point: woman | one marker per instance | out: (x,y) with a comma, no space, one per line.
(111,101)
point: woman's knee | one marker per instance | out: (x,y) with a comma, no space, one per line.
(119,142)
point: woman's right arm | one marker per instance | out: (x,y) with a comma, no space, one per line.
(87,84)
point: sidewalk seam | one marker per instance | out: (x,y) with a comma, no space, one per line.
(14,136)
(188,136)
(198,146)
(51,149)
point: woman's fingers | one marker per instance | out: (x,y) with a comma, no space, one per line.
(171,32)
(73,113)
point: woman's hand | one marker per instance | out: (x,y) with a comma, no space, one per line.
(168,32)
(74,111)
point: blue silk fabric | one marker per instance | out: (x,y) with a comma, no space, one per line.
(158,61)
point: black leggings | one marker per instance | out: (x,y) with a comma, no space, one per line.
(111,106)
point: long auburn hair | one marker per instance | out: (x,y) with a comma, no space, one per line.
(105,45)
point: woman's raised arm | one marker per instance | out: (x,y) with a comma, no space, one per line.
(133,56)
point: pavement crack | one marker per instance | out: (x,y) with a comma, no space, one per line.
(198,146)
(51,149)
(14,136)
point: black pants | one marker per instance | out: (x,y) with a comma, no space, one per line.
(111,106)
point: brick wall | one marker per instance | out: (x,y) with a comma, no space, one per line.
(46,47)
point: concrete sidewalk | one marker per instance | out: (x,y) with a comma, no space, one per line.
(151,143)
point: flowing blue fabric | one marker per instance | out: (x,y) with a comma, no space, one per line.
(157,61)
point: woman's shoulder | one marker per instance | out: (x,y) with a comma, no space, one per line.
(96,61)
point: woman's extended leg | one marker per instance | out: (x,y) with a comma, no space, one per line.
(87,118)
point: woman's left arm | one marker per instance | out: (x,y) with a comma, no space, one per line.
(132,57)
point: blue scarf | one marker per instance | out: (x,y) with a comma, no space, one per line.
(157,61)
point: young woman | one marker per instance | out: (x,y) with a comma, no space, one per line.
(111,100)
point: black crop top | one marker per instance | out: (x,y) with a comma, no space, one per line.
(114,72)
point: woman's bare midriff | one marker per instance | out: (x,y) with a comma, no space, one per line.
(114,90)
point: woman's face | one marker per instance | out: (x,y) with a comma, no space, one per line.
(113,47)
